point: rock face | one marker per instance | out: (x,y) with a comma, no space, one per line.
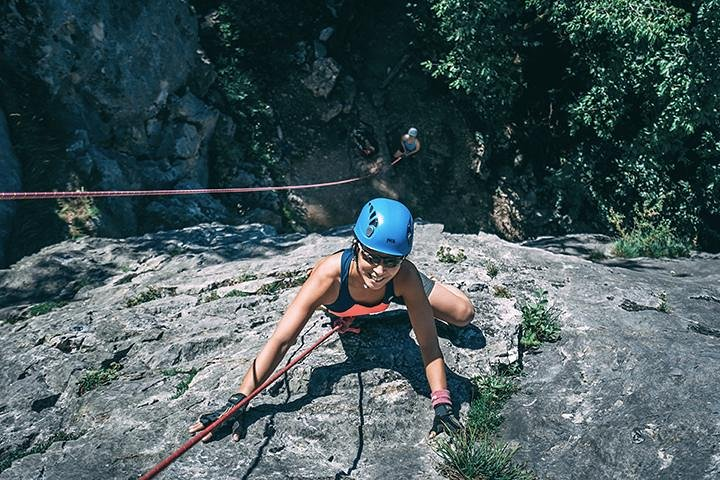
(108,63)
(626,393)
(124,79)
(9,182)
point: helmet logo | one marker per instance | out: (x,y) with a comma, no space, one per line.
(390,240)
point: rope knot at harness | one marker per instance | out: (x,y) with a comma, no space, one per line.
(344,323)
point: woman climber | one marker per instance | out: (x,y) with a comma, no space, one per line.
(360,280)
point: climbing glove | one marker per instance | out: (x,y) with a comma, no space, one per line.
(235,421)
(444,420)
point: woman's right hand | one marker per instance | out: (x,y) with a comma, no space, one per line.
(234,422)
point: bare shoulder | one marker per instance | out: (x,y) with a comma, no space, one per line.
(328,267)
(407,279)
(324,279)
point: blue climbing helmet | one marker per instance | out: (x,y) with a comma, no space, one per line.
(386,226)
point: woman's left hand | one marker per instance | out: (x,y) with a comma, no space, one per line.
(445,421)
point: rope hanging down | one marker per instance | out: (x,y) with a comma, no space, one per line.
(158,193)
(200,435)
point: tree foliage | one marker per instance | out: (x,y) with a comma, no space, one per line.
(632,87)
(477,54)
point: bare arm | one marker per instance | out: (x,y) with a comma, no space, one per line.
(409,286)
(317,289)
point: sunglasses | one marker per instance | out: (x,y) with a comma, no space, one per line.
(375,260)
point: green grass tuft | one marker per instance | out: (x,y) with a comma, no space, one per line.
(663,306)
(286,280)
(80,215)
(476,452)
(95,378)
(475,455)
(492,269)
(651,240)
(148,295)
(9,457)
(182,387)
(501,291)
(43,308)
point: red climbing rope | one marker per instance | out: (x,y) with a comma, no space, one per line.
(150,193)
(156,193)
(200,435)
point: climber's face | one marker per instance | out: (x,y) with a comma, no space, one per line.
(377,269)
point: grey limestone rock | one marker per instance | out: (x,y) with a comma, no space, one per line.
(622,395)
(124,76)
(94,56)
(9,182)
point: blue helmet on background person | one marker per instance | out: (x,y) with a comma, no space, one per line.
(385,226)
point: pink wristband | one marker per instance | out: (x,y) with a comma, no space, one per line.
(438,397)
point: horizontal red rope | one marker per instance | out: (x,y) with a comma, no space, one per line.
(157,193)
(199,436)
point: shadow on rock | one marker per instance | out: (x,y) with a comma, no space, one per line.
(384,343)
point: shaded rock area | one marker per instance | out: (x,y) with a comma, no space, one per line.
(173,320)
(125,82)
(9,182)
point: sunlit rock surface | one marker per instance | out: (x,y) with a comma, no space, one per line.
(630,390)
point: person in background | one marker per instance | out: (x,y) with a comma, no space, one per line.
(409,144)
(364,279)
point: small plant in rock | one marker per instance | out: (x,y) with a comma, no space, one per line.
(596,255)
(447,255)
(236,293)
(148,295)
(492,269)
(285,280)
(540,322)
(43,308)
(181,387)
(244,277)
(8,458)
(210,297)
(174,250)
(80,215)
(214,295)
(491,392)
(501,291)
(95,378)
(663,306)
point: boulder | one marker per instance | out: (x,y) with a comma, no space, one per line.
(177,211)
(322,78)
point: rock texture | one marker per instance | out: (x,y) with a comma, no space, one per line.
(124,79)
(624,394)
(9,182)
